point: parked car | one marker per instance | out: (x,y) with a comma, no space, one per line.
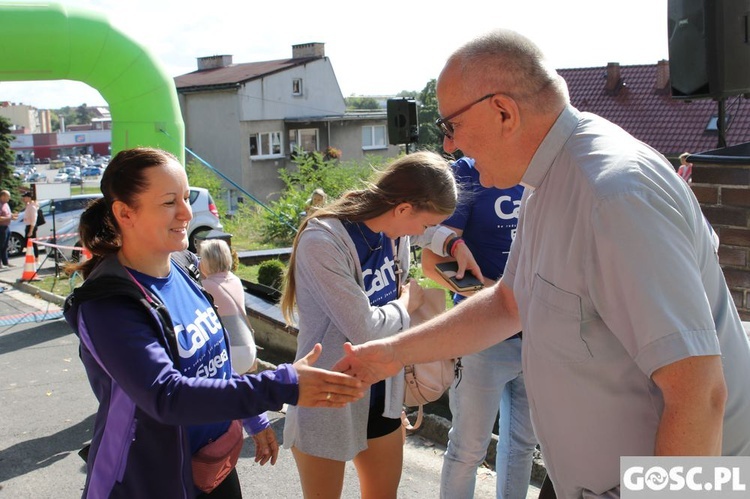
(72,170)
(205,215)
(75,180)
(61,177)
(68,212)
(65,220)
(36,177)
(92,171)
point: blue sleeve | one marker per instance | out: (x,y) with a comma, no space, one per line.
(256,424)
(130,350)
(462,171)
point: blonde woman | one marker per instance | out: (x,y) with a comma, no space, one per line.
(229,297)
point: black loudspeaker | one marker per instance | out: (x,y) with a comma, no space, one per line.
(402,121)
(709,48)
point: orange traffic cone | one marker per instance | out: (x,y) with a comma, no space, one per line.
(29,266)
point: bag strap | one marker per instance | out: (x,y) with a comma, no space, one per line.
(408,424)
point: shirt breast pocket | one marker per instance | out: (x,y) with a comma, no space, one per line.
(554,323)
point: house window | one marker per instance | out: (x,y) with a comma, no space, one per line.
(373,137)
(265,144)
(297,86)
(303,138)
(713,123)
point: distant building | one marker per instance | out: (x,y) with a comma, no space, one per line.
(247,119)
(40,146)
(26,119)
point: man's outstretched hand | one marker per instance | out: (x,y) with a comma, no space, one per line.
(369,362)
(322,388)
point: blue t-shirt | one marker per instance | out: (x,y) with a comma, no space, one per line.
(488,217)
(200,337)
(375,252)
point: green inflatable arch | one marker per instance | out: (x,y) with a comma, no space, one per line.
(48,41)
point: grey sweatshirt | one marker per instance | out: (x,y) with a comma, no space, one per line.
(333,308)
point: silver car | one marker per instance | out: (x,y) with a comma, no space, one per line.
(68,213)
(65,220)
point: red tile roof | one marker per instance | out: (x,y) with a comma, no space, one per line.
(669,125)
(236,74)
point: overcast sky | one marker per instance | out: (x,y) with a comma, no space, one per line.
(378,48)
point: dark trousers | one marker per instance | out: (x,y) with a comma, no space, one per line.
(4,236)
(32,236)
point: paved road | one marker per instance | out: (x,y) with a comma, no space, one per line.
(47,408)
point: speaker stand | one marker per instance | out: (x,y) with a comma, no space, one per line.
(721,122)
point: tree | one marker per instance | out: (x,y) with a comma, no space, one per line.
(7,160)
(429,136)
(83,114)
(54,121)
(409,94)
(361,103)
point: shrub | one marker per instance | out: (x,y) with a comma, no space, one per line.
(271,273)
(313,171)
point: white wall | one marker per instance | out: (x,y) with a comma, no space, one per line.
(271,97)
(212,130)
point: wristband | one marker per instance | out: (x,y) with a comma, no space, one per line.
(449,244)
(454,245)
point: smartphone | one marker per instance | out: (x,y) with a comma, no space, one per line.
(468,283)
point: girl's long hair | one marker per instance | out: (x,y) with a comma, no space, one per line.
(423,179)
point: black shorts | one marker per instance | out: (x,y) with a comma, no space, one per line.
(377,425)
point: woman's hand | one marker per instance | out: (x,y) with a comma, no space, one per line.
(412,295)
(321,388)
(266,446)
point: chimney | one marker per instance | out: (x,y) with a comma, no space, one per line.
(314,49)
(614,80)
(662,76)
(214,62)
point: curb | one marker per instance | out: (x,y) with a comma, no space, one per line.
(39,293)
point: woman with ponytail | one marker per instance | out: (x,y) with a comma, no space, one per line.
(156,353)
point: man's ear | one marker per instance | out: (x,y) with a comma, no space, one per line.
(507,107)
(123,214)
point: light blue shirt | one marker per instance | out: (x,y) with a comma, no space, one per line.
(615,276)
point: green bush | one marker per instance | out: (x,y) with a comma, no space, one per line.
(271,273)
(314,170)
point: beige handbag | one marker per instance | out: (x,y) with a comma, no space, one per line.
(425,382)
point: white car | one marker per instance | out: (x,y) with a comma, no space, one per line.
(65,220)
(205,215)
(61,177)
(68,213)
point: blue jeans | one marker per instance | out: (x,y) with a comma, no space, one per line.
(4,237)
(492,380)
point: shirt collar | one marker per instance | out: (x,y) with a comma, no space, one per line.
(550,147)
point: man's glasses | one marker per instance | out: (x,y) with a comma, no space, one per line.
(445,125)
